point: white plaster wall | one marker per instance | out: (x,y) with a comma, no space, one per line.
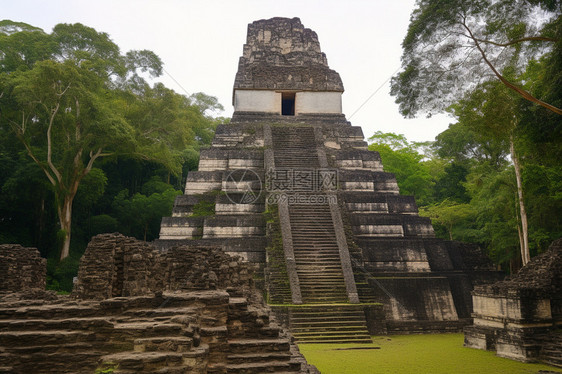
(257,101)
(318,102)
(270,102)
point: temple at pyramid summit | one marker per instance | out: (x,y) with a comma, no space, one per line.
(290,186)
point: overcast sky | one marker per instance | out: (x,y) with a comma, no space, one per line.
(200,43)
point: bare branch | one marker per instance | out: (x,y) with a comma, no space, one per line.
(20,134)
(526,95)
(516,41)
(93,157)
(63,91)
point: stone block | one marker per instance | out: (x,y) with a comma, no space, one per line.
(199,182)
(22,269)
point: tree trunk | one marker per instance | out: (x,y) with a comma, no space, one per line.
(65,219)
(525,255)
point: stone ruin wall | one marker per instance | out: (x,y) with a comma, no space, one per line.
(23,269)
(135,309)
(115,265)
(520,318)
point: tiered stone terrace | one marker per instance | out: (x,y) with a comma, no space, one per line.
(137,310)
(360,242)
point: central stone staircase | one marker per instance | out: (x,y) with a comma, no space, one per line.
(317,254)
(335,323)
(294,147)
(326,316)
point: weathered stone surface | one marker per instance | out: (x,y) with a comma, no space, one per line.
(184,310)
(280,53)
(22,269)
(519,316)
(114,265)
(385,236)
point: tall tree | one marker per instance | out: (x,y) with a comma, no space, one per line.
(492,110)
(453,45)
(66,104)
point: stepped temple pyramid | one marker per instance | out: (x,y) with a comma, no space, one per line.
(289,186)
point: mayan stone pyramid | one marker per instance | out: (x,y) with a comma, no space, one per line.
(290,186)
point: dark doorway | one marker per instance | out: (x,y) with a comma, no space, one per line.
(288,103)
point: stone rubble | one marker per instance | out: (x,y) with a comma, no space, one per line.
(137,310)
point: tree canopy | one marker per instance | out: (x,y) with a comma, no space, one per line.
(454,45)
(72,98)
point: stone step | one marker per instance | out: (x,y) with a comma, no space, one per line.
(160,312)
(169,343)
(309,277)
(45,312)
(49,337)
(258,357)
(326,271)
(322,287)
(148,362)
(344,323)
(328,330)
(148,329)
(324,292)
(315,220)
(318,300)
(315,255)
(336,340)
(321,268)
(335,291)
(59,348)
(302,333)
(317,252)
(303,258)
(264,367)
(319,247)
(328,311)
(307,241)
(57,362)
(55,324)
(310,280)
(240,346)
(320,317)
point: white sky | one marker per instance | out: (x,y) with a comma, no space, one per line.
(200,42)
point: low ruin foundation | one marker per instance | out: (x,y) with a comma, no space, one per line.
(521,318)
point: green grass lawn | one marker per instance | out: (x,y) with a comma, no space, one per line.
(420,354)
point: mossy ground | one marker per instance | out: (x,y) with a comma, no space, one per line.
(420,354)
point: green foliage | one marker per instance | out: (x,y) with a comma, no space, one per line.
(455,217)
(402,158)
(60,274)
(107,368)
(103,223)
(139,215)
(205,206)
(450,185)
(452,45)
(80,124)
